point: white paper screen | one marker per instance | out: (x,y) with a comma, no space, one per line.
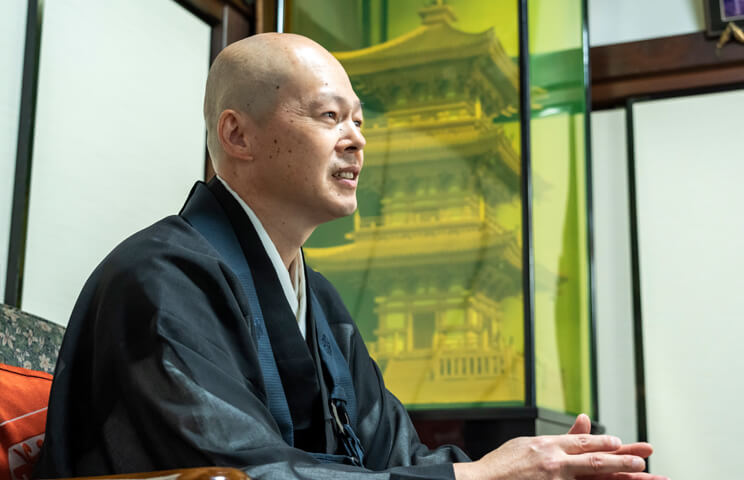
(119,136)
(12,44)
(613,281)
(691,233)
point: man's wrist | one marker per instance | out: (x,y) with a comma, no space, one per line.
(466,470)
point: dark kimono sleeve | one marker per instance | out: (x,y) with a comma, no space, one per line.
(160,371)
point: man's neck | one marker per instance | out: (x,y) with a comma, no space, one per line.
(287,235)
(286,241)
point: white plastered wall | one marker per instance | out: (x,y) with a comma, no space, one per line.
(12,43)
(619,21)
(119,136)
(691,232)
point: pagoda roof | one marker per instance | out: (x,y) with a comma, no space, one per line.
(419,144)
(443,247)
(434,41)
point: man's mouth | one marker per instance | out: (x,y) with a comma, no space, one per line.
(347,175)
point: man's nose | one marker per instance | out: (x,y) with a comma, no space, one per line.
(353,139)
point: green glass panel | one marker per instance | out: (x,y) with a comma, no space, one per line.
(562,335)
(430,266)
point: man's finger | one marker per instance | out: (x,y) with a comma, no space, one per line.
(583,443)
(637,476)
(598,463)
(582,425)
(640,449)
(623,476)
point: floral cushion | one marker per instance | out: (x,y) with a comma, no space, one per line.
(28,341)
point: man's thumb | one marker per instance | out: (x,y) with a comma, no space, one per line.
(581,425)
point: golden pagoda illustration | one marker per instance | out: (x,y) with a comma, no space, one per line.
(432,264)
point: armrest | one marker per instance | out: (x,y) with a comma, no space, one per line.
(200,473)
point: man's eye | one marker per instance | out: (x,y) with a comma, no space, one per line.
(330,115)
(358,123)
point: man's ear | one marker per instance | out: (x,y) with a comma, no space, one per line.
(233,135)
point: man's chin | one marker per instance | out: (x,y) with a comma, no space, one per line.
(342,210)
(345,212)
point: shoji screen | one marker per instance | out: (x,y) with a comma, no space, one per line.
(12,32)
(690,234)
(119,135)
(613,285)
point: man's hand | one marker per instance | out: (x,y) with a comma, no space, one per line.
(559,457)
(575,456)
(583,425)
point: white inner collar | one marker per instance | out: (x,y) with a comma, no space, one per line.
(294,288)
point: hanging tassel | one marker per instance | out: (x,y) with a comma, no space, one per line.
(732,30)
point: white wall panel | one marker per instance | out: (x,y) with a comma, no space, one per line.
(619,21)
(613,281)
(691,232)
(12,43)
(119,135)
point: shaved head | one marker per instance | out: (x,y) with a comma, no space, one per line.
(248,76)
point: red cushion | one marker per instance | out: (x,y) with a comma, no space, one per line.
(24,395)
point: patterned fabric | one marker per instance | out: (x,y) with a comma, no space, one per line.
(28,341)
(23,410)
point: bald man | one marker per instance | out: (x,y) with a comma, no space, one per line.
(206,340)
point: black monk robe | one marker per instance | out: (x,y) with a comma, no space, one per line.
(159,370)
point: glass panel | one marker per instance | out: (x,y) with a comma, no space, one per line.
(12,43)
(119,136)
(562,342)
(430,265)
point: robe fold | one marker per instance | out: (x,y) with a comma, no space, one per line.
(159,370)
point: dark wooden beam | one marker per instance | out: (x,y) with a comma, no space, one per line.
(662,65)
(234,25)
(266,12)
(231,20)
(211,10)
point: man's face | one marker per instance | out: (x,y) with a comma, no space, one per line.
(308,151)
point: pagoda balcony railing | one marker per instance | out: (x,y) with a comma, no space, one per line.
(396,344)
(469,365)
(456,364)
